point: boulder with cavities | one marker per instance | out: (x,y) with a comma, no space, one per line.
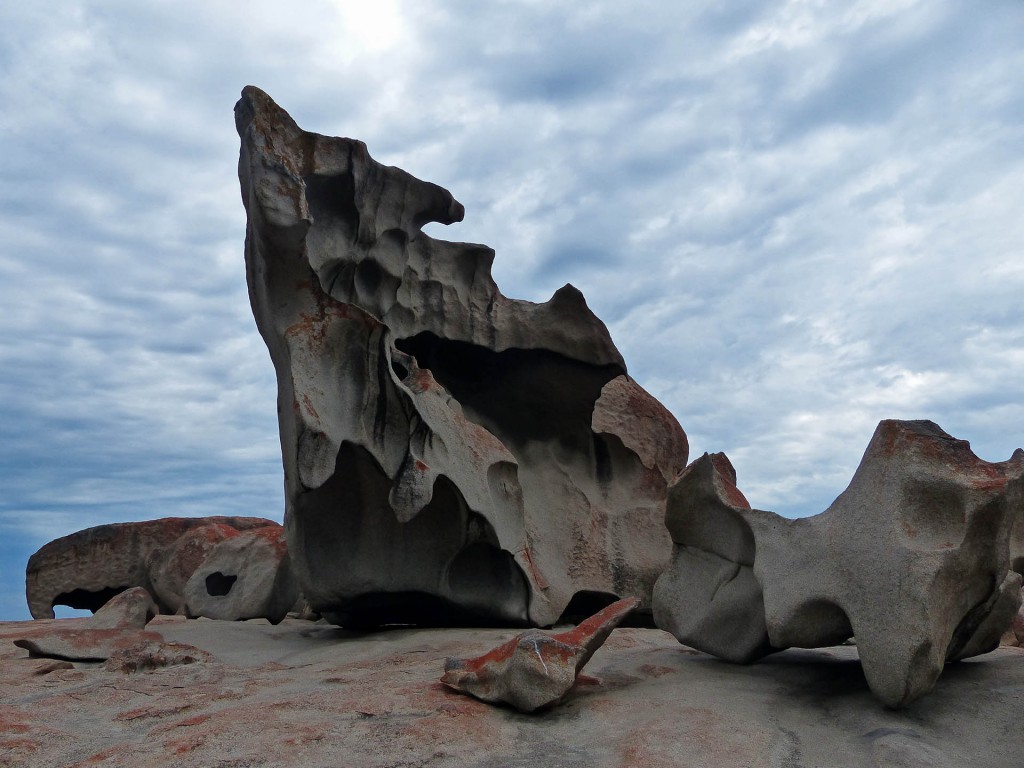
(919,560)
(451,455)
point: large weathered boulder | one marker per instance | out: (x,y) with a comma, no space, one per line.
(450,454)
(913,560)
(87,568)
(82,644)
(247,576)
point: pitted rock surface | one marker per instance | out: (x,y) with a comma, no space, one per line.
(451,455)
(914,560)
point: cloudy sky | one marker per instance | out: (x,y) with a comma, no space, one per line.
(797,218)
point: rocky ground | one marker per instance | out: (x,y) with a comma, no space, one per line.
(310,694)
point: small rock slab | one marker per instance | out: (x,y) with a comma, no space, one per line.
(131,609)
(83,644)
(124,650)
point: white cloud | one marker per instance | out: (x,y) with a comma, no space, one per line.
(797,219)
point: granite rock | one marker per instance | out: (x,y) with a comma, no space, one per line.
(247,576)
(80,644)
(171,567)
(87,568)
(914,560)
(295,693)
(1014,635)
(131,609)
(535,669)
(451,455)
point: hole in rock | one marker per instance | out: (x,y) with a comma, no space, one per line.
(400,370)
(816,624)
(440,568)
(219,584)
(63,612)
(330,200)
(586,603)
(85,599)
(518,394)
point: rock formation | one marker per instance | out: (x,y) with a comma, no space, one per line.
(124,650)
(451,455)
(131,609)
(1014,634)
(914,560)
(247,576)
(535,669)
(87,568)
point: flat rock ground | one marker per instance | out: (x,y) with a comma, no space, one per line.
(308,694)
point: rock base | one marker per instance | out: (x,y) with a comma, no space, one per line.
(309,694)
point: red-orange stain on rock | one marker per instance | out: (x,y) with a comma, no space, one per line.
(196,720)
(314,327)
(614,612)
(309,407)
(535,573)
(273,535)
(183,746)
(501,653)
(727,481)
(11,726)
(421,380)
(645,407)
(12,746)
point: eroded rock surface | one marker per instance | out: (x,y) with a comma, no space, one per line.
(450,454)
(131,609)
(1014,635)
(86,569)
(145,654)
(296,694)
(247,576)
(535,669)
(914,559)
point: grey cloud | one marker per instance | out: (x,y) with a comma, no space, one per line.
(790,238)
